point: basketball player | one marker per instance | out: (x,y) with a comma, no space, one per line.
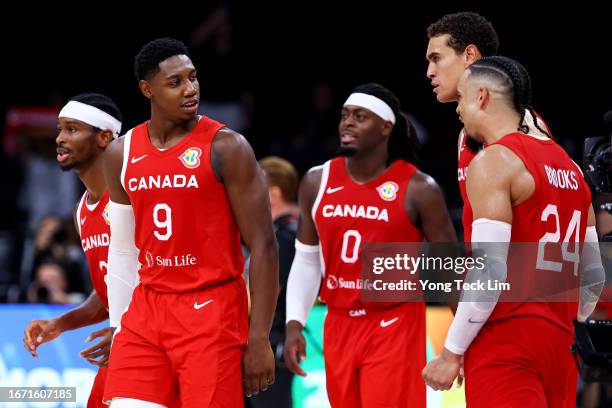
(184,190)
(518,354)
(456,41)
(87,124)
(373,351)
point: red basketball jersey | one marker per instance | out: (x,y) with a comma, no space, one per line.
(557,211)
(185,230)
(465,157)
(347,215)
(94,230)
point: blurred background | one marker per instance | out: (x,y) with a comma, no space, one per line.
(276,73)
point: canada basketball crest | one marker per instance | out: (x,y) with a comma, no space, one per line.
(191,157)
(388,190)
(105,214)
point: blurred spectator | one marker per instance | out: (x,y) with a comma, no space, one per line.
(317,139)
(54,241)
(51,286)
(29,142)
(10,222)
(282,179)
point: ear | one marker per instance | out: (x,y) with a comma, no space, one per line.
(471,54)
(104,138)
(484,97)
(145,88)
(387,128)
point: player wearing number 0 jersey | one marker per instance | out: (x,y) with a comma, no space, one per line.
(87,124)
(522,189)
(374,351)
(178,185)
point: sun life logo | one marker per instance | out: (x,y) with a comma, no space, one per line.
(150,259)
(332,282)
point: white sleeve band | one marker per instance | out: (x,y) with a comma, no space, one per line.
(303,282)
(122,274)
(592,275)
(491,237)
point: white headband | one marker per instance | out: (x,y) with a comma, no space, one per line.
(372,103)
(91,115)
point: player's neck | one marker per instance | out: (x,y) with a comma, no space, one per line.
(93,178)
(498,127)
(163,131)
(365,168)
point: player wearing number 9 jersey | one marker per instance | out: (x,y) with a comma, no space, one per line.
(521,188)
(374,352)
(178,185)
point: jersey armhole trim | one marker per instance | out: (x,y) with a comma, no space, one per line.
(78,213)
(127,139)
(324,177)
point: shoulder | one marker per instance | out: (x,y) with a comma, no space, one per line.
(310,184)
(313,177)
(423,182)
(113,154)
(228,140)
(228,149)
(496,163)
(422,187)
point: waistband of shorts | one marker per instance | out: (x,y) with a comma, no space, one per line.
(211,286)
(369,311)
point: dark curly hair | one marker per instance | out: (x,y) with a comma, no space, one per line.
(466,28)
(147,60)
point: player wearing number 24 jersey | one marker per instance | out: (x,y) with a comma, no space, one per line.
(374,351)
(522,188)
(184,190)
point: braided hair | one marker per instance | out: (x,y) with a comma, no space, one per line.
(403,142)
(515,82)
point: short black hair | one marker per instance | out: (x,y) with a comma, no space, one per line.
(466,28)
(403,143)
(102,102)
(152,53)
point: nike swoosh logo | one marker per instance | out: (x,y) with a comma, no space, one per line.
(333,190)
(137,159)
(474,321)
(385,323)
(197,305)
(83,220)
